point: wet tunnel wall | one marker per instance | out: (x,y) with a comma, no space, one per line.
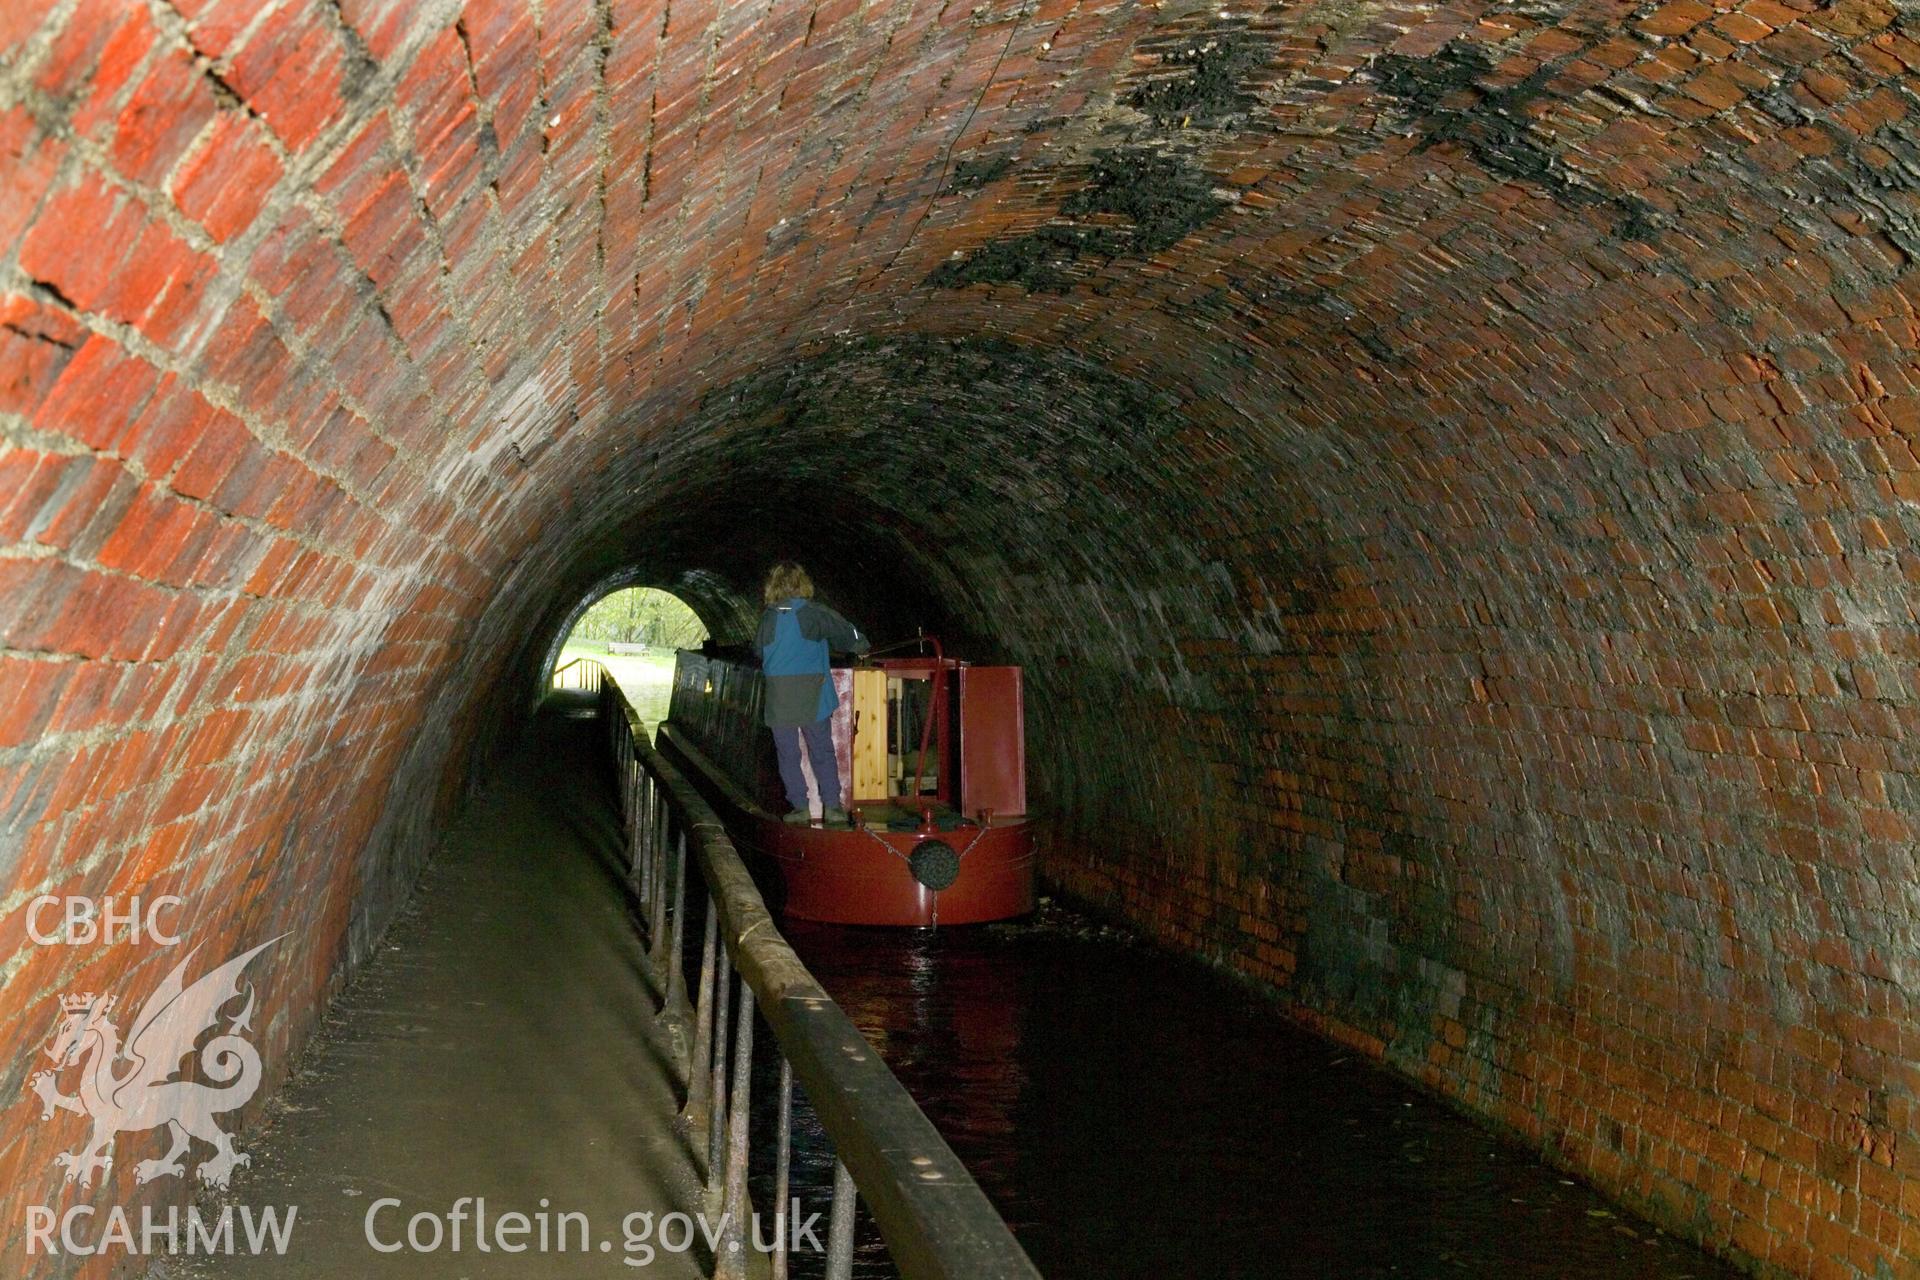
(1448,471)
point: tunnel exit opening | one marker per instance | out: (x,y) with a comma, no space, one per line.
(633,632)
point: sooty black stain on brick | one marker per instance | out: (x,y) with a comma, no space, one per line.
(1034,261)
(1869,174)
(1211,93)
(976,172)
(1494,127)
(1160,195)
(1162,198)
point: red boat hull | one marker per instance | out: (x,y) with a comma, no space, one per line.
(863,876)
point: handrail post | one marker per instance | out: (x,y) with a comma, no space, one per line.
(657,918)
(840,1225)
(633,786)
(643,847)
(733,1207)
(782,1161)
(698,1081)
(676,970)
(717,1091)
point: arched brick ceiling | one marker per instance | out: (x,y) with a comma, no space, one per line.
(1446,469)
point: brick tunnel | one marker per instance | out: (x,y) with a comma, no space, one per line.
(1447,472)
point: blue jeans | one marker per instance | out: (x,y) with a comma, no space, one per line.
(826,768)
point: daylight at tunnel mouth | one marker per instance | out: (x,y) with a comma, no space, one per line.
(629,580)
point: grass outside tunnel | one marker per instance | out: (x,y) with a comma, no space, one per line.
(647,626)
(646,679)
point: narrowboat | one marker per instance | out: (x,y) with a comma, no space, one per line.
(932,755)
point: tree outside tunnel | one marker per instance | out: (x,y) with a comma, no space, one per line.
(639,616)
(633,632)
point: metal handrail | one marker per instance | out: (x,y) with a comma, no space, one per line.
(590,678)
(936,1221)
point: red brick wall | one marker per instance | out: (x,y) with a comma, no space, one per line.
(1446,470)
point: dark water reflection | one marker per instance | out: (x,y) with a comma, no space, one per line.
(1134,1116)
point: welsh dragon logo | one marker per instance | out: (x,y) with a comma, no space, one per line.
(129,1087)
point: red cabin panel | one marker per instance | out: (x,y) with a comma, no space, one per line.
(993,756)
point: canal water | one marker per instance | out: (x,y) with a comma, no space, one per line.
(1134,1115)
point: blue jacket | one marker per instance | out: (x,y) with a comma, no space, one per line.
(795,641)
